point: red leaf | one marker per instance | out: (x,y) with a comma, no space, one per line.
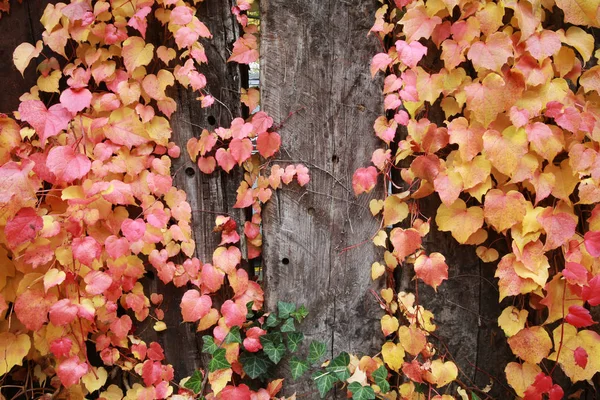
(432,269)
(581,357)
(23,227)
(46,122)
(591,292)
(234,313)
(579,317)
(405,242)
(31,308)
(575,273)
(268,143)
(61,347)
(241,150)
(71,370)
(241,392)
(66,164)
(194,306)
(63,312)
(592,243)
(121,326)
(225,159)
(364,180)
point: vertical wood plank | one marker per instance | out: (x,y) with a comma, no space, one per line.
(314,63)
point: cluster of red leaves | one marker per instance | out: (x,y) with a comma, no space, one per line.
(88,202)
(514,152)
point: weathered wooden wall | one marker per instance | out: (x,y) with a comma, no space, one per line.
(315,63)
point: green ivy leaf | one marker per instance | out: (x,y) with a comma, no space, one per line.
(195,382)
(294,340)
(285,309)
(288,325)
(474,396)
(233,336)
(316,351)
(218,361)
(249,311)
(339,366)
(274,352)
(380,378)
(255,364)
(360,392)
(273,337)
(272,320)
(208,344)
(298,367)
(324,381)
(300,313)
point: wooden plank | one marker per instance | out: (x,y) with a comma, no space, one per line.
(208,195)
(314,63)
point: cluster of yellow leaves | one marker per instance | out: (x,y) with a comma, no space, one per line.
(512,148)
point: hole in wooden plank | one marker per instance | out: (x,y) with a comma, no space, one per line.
(311,211)
(211,120)
(189,171)
(285,261)
(335,159)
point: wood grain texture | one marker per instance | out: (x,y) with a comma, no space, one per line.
(314,63)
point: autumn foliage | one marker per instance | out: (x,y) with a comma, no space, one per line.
(490,106)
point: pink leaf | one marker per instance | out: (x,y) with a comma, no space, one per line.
(302,175)
(67,165)
(61,347)
(207,164)
(575,273)
(76,100)
(234,313)
(86,250)
(592,243)
(268,143)
(380,62)
(410,54)
(97,282)
(241,150)
(591,293)
(194,306)
(46,122)
(121,326)
(581,357)
(133,230)
(225,159)
(261,122)
(63,312)
(364,180)
(71,370)
(23,227)
(116,247)
(181,15)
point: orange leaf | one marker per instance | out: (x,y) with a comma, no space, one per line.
(531,344)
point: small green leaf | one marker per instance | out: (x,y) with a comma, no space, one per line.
(324,381)
(288,325)
(300,313)
(474,396)
(380,378)
(274,352)
(195,382)
(298,367)
(294,340)
(273,337)
(360,392)
(285,309)
(233,336)
(339,366)
(255,364)
(218,361)
(249,306)
(208,344)
(316,351)
(272,320)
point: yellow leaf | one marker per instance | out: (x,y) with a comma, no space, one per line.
(580,12)
(387,295)
(531,344)
(377,270)
(503,210)
(112,393)
(582,41)
(219,379)
(24,53)
(380,239)
(95,379)
(520,377)
(13,349)
(512,320)
(136,53)
(160,326)
(487,254)
(389,324)
(412,339)
(208,320)
(442,373)
(375,205)
(461,221)
(571,340)
(395,210)
(393,355)
(49,84)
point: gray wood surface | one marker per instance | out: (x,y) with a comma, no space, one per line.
(314,63)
